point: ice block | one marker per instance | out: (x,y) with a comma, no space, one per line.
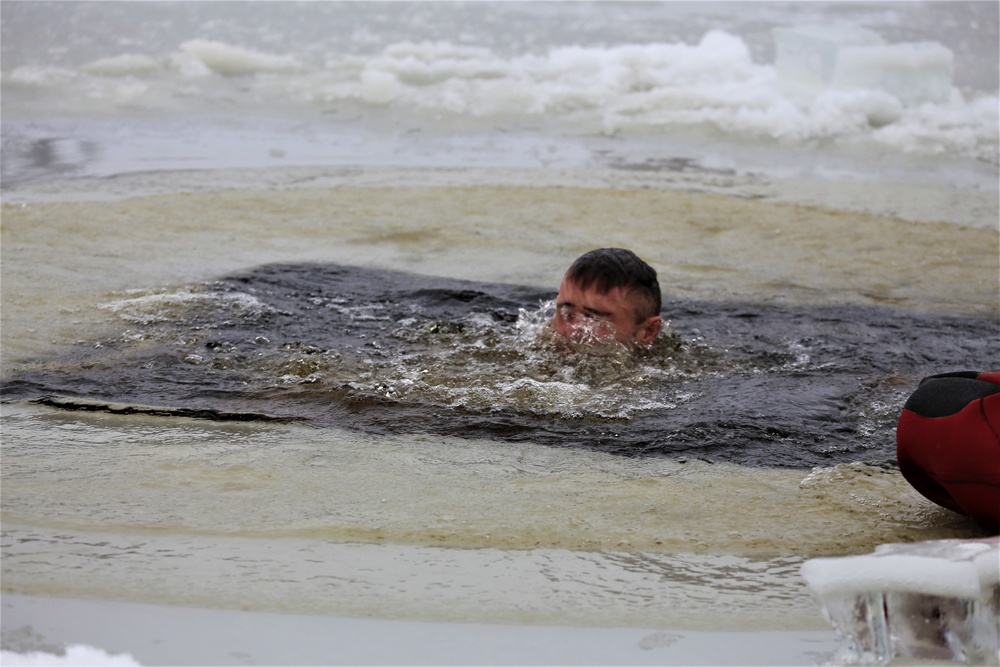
(808,54)
(928,600)
(812,59)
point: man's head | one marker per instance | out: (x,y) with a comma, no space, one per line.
(609,294)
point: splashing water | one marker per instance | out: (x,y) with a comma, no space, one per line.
(388,352)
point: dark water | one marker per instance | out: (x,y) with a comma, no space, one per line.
(389,352)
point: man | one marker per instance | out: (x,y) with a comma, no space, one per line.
(948,443)
(609,295)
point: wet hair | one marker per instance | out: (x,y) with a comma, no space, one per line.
(608,268)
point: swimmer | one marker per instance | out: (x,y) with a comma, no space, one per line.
(609,295)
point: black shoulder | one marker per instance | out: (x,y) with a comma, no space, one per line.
(948,393)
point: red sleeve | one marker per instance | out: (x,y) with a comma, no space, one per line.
(989,377)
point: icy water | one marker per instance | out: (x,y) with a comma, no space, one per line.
(274,302)
(331,345)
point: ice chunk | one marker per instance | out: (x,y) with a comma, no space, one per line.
(123,65)
(811,59)
(808,54)
(914,73)
(76,654)
(229,60)
(929,601)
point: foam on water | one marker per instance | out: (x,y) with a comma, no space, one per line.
(166,306)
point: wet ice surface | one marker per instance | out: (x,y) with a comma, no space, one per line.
(930,601)
(389,352)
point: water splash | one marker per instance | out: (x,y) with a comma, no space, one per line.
(388,352)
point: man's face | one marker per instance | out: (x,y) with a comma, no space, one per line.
(586,315)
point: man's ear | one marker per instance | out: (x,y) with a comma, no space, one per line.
(649,330)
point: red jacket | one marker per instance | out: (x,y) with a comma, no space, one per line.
(948,444)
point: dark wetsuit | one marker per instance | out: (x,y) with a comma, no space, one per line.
(948,443)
